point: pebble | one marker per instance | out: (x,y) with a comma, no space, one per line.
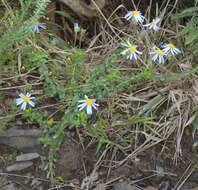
(150,188)
(25,140)
(125,186)
(8,187)
(27,157)
(19,166)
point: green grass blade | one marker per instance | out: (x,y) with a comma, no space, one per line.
(151,104)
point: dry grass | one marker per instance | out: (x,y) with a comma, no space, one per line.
(154,105)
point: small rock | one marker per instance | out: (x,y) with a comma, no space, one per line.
(125,186)
(100,186)
(27,157)
(189,186)
(8,187)
(194,176)
(151,188)
(19,166)
(196,188)
(26,140)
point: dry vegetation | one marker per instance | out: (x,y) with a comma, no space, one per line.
(147,110)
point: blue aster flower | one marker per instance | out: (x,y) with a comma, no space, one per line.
(135,15)
(170,48)
(153,24)
(54,41)
(38,25)
(131,51)
(158,55)
(76,27)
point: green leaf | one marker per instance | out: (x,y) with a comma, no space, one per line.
(187,12)
(151,104)
(66,15)
(194,125)
(195,49)
(176,76)
(45,140)
(192,35)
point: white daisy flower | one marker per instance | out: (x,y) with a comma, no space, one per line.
(135,15)
(170,48)
(153,24)
(24,100)
(131,51)
(88,104)
(158,55)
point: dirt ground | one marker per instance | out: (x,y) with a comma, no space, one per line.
(78,166)
(81,167)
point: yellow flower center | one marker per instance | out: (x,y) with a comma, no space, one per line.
(69,58)
(36,23)
(170,45)
(46,18)
(132,48)
(50,121)
(159,52)
(135,12)
(88,101)
(26,99)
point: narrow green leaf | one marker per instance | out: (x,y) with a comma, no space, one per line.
(192,35)
(177,76)
(194,125)
(151,104)
(187,12)
(66,15)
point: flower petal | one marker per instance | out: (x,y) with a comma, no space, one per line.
(156,28)
(124,52)
(139,52)
(21,95)
(95,106)
(155,57)
(19,101)
(31,103)
(156,20)
(23,106)
(28,94)
(82,106)
(128,15)
(36,29)
(81,101)
(89,109)
(42,26)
